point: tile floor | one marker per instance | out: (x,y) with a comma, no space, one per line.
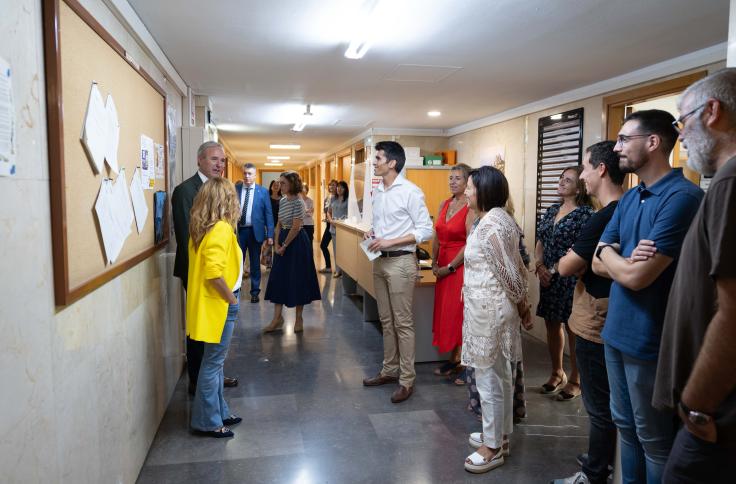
(308,419)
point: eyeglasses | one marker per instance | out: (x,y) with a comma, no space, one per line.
(625,138)
(679,123)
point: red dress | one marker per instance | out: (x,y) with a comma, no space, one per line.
(447,324)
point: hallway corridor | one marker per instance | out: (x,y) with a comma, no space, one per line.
(308,419)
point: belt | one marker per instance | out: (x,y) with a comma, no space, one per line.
(395,253)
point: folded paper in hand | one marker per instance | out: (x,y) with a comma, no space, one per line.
(371,254)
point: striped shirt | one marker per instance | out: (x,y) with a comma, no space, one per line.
(290,210)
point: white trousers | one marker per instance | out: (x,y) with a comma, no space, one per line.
(495,387)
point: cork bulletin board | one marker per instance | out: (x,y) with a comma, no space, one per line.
(79,52)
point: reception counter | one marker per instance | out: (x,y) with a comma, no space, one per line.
(358,279)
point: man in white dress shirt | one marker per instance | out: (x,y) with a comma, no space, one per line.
(400,222)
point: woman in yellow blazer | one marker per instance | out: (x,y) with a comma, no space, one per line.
(215,265)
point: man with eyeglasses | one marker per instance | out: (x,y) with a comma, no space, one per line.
(696,374)
(660,209)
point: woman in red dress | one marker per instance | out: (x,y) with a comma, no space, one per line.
(448,248)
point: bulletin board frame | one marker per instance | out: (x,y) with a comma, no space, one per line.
(70,282)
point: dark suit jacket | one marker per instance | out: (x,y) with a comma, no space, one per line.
(261,216)
(181,204)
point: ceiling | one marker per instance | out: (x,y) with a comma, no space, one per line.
(263,61)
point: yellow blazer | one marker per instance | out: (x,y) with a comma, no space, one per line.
(218,255)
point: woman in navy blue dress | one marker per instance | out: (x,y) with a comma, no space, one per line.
(556,233)
(293,279)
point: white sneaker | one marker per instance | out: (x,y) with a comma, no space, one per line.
(578,478)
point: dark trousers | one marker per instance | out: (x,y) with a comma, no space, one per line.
(195,350)
(325,244)
(248,243)
(694,461)
(309,229)
(591,361)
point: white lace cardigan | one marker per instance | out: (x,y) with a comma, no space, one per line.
(494,282)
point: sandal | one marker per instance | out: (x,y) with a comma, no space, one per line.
(476,441)
(548,388)
(477,464)
(566,396)
(447,369)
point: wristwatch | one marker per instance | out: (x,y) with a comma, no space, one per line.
(695,417)
(600,249)
(451,268)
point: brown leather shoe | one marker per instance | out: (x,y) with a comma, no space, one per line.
(379,380)
(230,382)
(402,393)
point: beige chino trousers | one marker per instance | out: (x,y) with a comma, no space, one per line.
(394,279)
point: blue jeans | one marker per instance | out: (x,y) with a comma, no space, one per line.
(209,407)
(646,433)
(591,363)
(249,244)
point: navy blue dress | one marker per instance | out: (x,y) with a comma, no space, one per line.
(555,301)
(293,278)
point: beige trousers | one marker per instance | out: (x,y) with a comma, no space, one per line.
(394,279)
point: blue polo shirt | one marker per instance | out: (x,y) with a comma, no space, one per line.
(662,213)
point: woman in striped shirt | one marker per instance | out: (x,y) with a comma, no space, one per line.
(293,278)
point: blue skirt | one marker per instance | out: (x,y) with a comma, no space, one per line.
(293,278)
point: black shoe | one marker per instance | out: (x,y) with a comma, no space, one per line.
(230,382)
(254,299)
(231,420)
(222,433)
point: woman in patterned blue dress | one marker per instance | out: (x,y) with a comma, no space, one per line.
(556,234)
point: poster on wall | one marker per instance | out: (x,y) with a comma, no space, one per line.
(148,170)
(171,135)
(7,121)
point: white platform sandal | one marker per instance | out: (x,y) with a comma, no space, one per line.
(476,440)
(477,464)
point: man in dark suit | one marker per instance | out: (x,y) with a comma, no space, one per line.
(255,224)
(211,163)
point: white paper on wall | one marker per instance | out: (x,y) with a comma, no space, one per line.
(7,121)
(138,197)
(160,161)
(101,131)
(114,214)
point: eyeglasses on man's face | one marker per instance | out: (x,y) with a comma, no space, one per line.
(622,139)
(679,123)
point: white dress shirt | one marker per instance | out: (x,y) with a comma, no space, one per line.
(400,210)
(202,176)
(249,212)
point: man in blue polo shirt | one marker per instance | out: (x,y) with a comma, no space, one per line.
(659,209)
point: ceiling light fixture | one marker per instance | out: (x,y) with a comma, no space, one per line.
(433,114)
(363,35)
(273,163)
(306,117)
(285,147)
(278,157)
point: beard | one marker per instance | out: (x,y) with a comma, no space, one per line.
(700,149)
(627,165)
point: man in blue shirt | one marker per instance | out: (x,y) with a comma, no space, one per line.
(659,209)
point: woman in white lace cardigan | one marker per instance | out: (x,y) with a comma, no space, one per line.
(495,304)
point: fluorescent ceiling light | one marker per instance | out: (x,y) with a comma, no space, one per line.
(238,128)
(365,29)
(305,118)
(433,114)
(285,147)
(273,163)
(278,157)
